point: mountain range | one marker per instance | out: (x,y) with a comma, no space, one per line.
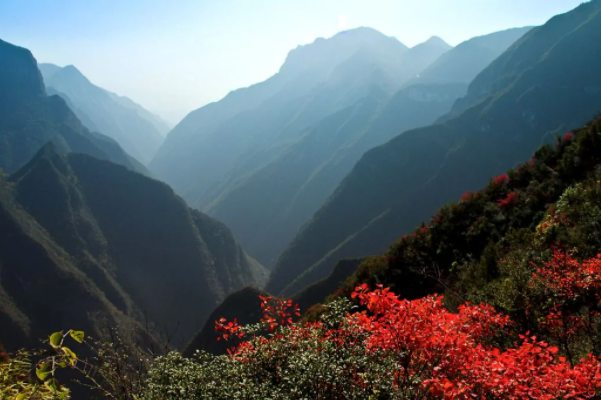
(88,241)
(545,84)
(280,160)
(139,132)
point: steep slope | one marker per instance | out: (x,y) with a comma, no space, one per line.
(465,61)
(482,246)
(29,119)
(131,245)
(319,291)
(315,81)
(266,208)
(546,83)
(139,132)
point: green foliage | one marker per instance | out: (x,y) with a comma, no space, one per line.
(17,382)
(283,370)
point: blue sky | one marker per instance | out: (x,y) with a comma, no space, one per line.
(173,56)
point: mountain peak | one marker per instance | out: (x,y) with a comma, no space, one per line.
(361,31)
(435,41)
(325,54)
(48,154)
(71,72)
(20,79)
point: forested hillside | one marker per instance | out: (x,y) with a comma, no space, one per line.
(88,243)
(543,85)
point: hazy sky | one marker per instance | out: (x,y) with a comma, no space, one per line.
(173,56)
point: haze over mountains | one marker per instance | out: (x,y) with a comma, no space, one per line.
(29,118)
(138,131)
(264,171)
(544,84)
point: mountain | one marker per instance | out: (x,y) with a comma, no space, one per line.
(321,290)
(315,81)
(29,118)
(544,84)
(265,169)
(138,131)
(486,245)
(465,61)
(88,244)
(423,55)
(267,207)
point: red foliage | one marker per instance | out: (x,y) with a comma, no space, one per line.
(449,351)
(568,136)
(511,198)
(501,179)
(569,278)
(228,329)
(576,285)
(466,196)
(276,312)
(440,354)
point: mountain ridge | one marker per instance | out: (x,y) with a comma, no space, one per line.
(137,130)
(494,134)
(123,236)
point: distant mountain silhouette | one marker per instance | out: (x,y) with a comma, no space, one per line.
(265,207)
(138,131)
(545,84)
(465,61)
(310,85)
(264,158)
(88,244)
(29,118)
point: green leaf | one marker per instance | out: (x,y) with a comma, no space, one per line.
(72,357)
(21,396)
(52,384)
(56,339)
(77,335)
(42,371)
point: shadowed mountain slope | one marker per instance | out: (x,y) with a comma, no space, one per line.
(86,241)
